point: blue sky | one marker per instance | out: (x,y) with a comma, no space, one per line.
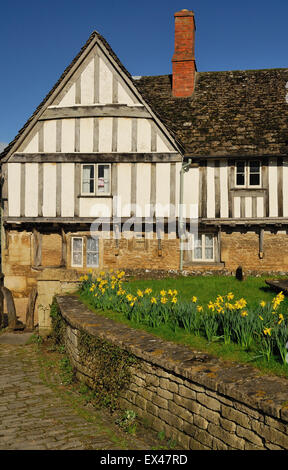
(38,39)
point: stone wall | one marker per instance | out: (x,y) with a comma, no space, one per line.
(197,400)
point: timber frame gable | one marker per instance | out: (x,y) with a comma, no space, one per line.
(69,86)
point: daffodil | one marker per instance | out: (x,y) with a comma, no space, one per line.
(267,331)
(281,318)
(163,300)
(163,293)
(194,299)
(261,318)
(263,303)
(148,291)
(200,308)
(244,313)
(139,293)
(174,300)
(153,300)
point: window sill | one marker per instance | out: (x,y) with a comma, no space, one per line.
(95,196)
(248,188)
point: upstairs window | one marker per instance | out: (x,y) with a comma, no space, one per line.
(248,174)
(96,179)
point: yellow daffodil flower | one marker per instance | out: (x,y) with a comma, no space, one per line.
(267,331)
(263,303)
(194,299)
(153,300)
(148,291)
(281,318)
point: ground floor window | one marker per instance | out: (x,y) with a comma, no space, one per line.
(203,247)
(84,252)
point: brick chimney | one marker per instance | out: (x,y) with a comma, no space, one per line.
(183,60)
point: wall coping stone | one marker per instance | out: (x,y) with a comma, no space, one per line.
(265,393)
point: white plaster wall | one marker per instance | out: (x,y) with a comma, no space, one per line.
(260,206)
(67,193)
(32,146)
(31,189)
(190,193)
(162,189)
(105,83)
(143,135)
(49,130)
(49,189)
(87,84)
(124,140)
(14,182)
(123,96)
(211,189)
(237,205)
(69,98)
(86,135)
(95,207)
(124,188)
(68,135)
(224,205)
(248,207)
(105,134)
(160,144)
(143,189)
(273,188)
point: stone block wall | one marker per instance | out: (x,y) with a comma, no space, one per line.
(197,400)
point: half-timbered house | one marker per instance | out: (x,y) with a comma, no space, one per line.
(104,144)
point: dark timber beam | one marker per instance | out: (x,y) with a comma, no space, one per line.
(95,157)
(113,110)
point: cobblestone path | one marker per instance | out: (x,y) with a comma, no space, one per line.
(36,414)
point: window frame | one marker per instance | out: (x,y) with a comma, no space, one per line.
(72,252)
(247,164)
(203,249)
(84,252)
(97,252)
(96,193)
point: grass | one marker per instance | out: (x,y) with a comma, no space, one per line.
(206,288)
(228,352)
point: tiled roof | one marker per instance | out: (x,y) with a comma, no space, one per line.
(229,113)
